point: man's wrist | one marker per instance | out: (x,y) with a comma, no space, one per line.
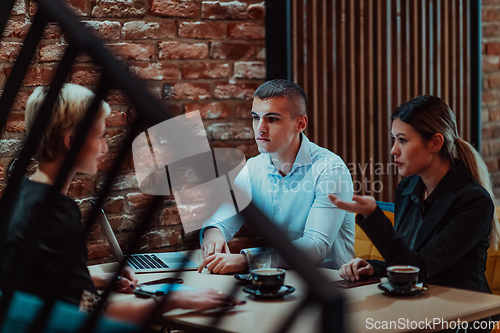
(209,227)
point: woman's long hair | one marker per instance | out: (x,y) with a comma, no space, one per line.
(429,115)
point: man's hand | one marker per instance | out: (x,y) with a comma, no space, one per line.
(213,242)
(223,263)
(355,268)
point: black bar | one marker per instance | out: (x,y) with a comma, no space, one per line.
(5,10)
(476,86)
(277,40)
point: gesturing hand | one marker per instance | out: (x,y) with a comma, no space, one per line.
(225,263)
(362,204)
(213,242)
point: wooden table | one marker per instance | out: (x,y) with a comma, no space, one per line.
(367,307)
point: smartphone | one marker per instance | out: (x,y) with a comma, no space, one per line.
(363,281)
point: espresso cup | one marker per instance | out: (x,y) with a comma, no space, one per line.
(268,280)
(403,278)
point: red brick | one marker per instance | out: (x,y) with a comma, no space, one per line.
(494,114)
(51,52)
(116,118)
(495,147)
(119,8)
(21,99)
(239,91)
(257,11)
(494,80)
(98,249)
(491,14)
(19,8)
(218,10)
(9,50)
(261,52)
(485,149)
(80,7)
(156,71)
(243,110)
(193,91)
(170,216)
(114,205)
(36,76)
(117,97)
(17,29)
(104,29)
(129,51)
(250,70)
(149,30)
(246,30)
(202,30)
(139,200)
(81,187)
(116,137)
(159,238)
(85,75)
(490,2)
(206,71)
(52,31)
(175,8)
(492,164)
(488,132)
(490,97)
(490,63)
(107,161)
(210,110)
(15,122)
(122,182)
(232,51)
(493,48)
(229,131)
(491,30)
(176,50)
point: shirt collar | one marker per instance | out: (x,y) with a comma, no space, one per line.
(303,157)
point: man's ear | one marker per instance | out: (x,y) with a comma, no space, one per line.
(68,140)
(301,123)
(436,142)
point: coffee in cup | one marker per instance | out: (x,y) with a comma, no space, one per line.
(268,280)
(403,278)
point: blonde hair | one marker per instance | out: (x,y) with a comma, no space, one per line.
(69,110)
(429,115)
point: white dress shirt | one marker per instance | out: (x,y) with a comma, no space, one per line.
(298,204)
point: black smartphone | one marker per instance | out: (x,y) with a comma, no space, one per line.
(346,284)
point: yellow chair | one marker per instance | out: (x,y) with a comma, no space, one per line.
(365,249)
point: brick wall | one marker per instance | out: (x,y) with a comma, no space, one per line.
(192,54)
(490,115)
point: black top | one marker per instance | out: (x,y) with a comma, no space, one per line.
(451,230)
(56,268)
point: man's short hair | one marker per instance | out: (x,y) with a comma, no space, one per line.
(68,112)
(284,88)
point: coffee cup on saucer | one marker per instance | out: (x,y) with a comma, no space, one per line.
(268,280)
(403,277)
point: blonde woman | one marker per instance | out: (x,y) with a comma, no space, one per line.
(444,214)
(61,251)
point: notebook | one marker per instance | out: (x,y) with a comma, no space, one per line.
(148,262)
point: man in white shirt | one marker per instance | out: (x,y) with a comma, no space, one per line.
(289,182)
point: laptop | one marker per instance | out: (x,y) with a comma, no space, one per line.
(148,262)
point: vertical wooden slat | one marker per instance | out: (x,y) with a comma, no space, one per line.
(358,60)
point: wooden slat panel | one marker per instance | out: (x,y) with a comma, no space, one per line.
(358,60)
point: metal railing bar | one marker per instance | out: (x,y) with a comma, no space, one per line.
(287,323)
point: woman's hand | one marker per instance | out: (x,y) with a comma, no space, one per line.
(355,268)
(203,299)
(128,281)
(362,204)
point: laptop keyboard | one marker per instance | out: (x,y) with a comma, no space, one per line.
(146,261)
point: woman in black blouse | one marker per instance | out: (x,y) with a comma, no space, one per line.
(61,254)
(444,213)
